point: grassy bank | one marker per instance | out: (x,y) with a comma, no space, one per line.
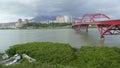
(59,55)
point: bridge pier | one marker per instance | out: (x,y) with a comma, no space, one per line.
(102,37)
(87,28)
(79,28)
(111,29)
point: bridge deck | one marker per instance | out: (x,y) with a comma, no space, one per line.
(107,22)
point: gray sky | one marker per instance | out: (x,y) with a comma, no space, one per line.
(12,10)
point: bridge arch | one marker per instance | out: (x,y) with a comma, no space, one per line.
(91,17)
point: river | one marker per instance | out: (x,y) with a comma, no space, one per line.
(74,38)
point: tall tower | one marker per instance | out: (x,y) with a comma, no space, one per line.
(19,21)
(66,19)
(70,19)
(25,21)
(60,19)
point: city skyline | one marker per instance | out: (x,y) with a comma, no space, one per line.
(12,10)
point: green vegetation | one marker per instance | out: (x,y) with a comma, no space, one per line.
(35,65)
(59,55)
(98,57)
(92,26)
(0,56)
(34,25)
(45,52)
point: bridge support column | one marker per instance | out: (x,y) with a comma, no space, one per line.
(106,29)
(102,37)
(100,30)
(87,28)
(79,27)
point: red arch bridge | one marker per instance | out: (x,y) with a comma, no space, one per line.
(105,27)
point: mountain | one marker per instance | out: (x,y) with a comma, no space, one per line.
(43,18)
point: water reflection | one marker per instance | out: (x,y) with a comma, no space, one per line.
(92,38)
(102,41)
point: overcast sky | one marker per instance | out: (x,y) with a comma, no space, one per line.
(12,10)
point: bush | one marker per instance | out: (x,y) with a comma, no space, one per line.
(58,53)
(97,57)
(45,52)
(35,65)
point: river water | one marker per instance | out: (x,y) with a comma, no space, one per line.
(74,38)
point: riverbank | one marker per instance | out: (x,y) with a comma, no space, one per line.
(60,55)
(31,26)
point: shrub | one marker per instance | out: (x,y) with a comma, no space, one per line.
(46,52)
(35,65)
(97,57)
(58,53)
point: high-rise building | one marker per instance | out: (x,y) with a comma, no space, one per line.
(20,23)
(70,19)
(64,19)
(19,20)
(60,19)
(25,21)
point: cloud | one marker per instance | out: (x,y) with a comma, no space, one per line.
(11,10)
(108,7)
